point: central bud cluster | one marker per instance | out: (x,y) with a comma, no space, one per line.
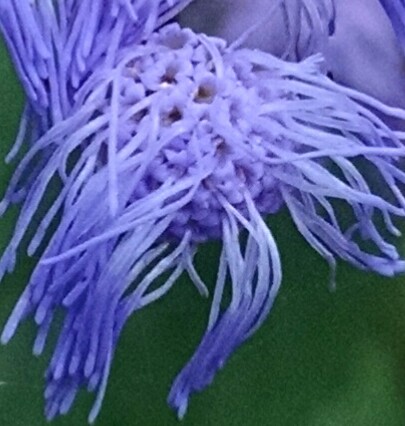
(196,115)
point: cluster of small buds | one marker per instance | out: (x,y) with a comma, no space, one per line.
(213,104)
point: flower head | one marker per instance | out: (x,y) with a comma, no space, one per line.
(183,139)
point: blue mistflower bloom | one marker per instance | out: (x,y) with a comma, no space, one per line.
(162,142)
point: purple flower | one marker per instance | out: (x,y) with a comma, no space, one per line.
(177,140)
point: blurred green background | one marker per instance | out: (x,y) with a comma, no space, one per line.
(321,358)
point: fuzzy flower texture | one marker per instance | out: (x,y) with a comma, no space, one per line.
(162,139)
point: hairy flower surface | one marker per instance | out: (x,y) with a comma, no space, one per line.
(55,47)
(58,43)
(181,140)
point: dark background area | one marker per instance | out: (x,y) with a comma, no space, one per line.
(321,358)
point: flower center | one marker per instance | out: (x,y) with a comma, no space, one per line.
(192,112)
